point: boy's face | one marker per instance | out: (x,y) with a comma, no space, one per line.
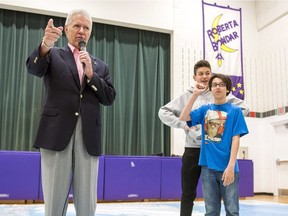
(218,88)
(203,74)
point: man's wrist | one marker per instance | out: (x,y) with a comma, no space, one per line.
(46,45)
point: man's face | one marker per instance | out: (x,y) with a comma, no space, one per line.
(203,74)
(78,30)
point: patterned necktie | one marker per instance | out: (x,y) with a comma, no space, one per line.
(79,64)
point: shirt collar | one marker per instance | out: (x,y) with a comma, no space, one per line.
(71,47)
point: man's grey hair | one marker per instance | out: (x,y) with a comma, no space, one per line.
(76,12)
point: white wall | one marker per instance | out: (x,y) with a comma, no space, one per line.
(268,90)
(266,71)
(154,15)
(267,142)
(265,78)
(260,150)
(265,53)
(270,11)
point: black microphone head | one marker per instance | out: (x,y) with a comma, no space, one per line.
(82,45)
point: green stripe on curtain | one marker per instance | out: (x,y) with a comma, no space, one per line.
(139,64)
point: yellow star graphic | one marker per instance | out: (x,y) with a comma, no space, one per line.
(239,85)
(233,89)
(241,92)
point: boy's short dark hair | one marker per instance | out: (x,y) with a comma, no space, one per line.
(226,79)
(201,63)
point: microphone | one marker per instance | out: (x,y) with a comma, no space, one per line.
(82,47)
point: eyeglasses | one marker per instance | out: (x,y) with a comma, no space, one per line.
(221,85)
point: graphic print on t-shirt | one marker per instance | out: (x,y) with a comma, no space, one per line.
(214,125)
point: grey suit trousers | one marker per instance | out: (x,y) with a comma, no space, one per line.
(71,167)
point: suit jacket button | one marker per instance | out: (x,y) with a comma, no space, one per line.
(94,87)
(81,96)
(76,114)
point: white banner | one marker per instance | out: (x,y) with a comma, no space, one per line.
(222,37)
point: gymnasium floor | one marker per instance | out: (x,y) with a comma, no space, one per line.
(256,206)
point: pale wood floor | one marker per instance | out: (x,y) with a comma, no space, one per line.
(268,198)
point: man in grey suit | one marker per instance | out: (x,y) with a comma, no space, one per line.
(69,133)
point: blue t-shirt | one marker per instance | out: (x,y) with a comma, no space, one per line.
(219,124)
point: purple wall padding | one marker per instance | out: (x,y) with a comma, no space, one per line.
(100,186)
(120,177)
(171,179)
(19,177)
(199,193)
(246,178)
(132,178)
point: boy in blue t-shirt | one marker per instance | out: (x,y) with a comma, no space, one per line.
(222,126)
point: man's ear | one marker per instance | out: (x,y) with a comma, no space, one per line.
(65,29)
